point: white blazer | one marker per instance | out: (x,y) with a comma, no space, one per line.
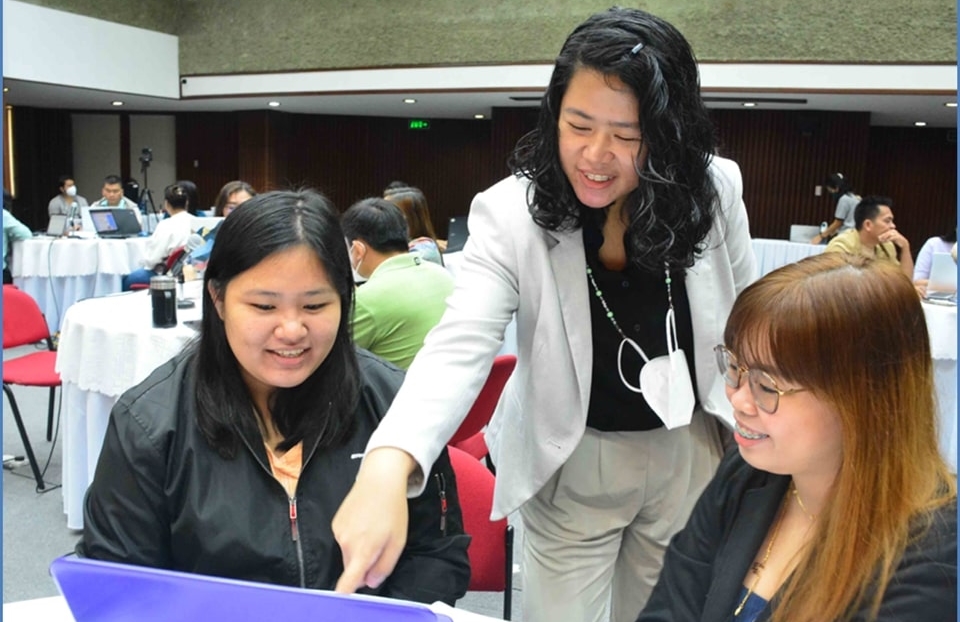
(511,265)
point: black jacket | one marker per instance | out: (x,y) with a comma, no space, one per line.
(706,562)
(162,497)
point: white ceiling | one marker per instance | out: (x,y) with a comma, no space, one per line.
(465,92)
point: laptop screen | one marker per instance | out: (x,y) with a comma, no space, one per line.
(103,220)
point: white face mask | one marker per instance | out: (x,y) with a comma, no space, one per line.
(664,380)
(357,277)
(72,191)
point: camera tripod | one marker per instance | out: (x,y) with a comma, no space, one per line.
(145,200)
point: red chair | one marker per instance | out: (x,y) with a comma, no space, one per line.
(469,436)
(491,545)
(24,324)
(173,259)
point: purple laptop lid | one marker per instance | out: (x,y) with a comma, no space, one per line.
(110,592)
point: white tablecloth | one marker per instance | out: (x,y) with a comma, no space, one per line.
(57,272)
(107,345)
(942,326)
(772,254)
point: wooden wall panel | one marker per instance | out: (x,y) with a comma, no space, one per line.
(783,155)
(917,169)
(42,151)
(210,140)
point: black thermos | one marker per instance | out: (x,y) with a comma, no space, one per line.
(163,296)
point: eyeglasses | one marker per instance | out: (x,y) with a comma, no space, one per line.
(766,393)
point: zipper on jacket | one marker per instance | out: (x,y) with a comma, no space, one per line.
(295,534)
(441,484)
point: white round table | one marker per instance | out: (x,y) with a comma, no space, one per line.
(942,326)
(58,272)
(107,345)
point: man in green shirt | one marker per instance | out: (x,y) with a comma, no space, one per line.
(404,296)
(875,235)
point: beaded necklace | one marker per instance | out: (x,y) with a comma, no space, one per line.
(627,341)
(609,313)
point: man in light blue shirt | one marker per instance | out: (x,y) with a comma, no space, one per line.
(13,230)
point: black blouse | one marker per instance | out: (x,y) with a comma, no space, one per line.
(638,300)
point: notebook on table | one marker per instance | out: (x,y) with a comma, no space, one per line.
(115,223)
(98,591)
(942,284)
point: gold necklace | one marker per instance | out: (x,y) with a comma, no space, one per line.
(796,495)
(757,567)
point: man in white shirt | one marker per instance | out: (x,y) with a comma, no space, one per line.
(112,193)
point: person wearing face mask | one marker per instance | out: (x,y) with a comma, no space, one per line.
(618,245)
(67,202)
(404,295)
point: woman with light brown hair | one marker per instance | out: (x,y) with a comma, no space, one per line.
(835,504)
(420,231)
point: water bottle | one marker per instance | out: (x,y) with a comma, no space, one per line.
(163,299)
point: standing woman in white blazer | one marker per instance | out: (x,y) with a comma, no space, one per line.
(618,224)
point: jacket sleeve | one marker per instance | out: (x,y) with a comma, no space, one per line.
(124,519)
(434,564)
(681,591)
(924,585)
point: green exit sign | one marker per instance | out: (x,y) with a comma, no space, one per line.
(419,124)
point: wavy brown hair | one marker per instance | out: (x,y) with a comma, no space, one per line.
(852,331)
(413,203)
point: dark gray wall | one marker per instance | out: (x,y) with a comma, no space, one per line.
(235,36)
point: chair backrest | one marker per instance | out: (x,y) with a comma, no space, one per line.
(23,322)
(487,551)
(486,402)
(175,258)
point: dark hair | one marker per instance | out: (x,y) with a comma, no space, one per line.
(7,200)
(229,188)
(110,180)
(394,185)
(838,181)
(379,223)
(193,199)
(672,210)
(413,203)
(950,236)
(64,179)
(176,195)
(868,208)
(323,405)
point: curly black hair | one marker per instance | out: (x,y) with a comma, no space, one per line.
(673,208)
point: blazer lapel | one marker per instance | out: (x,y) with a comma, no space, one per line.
(757,512)
(568,264)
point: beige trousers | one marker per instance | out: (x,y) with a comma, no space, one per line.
(595,534)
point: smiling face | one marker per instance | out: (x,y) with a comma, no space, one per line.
(599,138)
(281,319)
(802,438)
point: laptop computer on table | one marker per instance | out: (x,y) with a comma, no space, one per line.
(57,225)
(98,591)
(457,234)
(942,284)
(115,223)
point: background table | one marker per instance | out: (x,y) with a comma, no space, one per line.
(57,272)
(773,254)
(107,345)
(942,326)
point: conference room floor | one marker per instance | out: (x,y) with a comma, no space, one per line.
(34,525)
